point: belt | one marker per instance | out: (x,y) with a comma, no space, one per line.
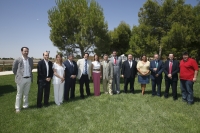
(96,69)
(27,77)
(84,74)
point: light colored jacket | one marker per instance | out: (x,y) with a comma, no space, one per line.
(117,67)
(81,65)
(107,70)
(18,69)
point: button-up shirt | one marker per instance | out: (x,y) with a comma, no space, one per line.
(47,66)
(26,67)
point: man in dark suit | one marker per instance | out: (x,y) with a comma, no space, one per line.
(45,74)
(171,70)
(71,72)
(156,68)
(129,71)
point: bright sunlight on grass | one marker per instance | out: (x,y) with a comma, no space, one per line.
(123,113)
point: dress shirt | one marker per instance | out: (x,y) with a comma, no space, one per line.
(47,65)
(26,67)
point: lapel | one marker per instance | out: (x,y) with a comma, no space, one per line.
(106,65)
(44,64)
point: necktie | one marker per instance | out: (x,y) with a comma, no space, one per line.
(130,63)
(170,67)
(115,61)
(156,64)
(85,66)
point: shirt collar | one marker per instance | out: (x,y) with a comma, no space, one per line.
(24,58)
(46,61)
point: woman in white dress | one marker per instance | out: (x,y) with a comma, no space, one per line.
(58,79)
(96,75)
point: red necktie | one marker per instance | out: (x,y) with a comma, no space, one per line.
(170,67)
(115,61)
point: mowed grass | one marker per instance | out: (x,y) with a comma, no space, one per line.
(123,113)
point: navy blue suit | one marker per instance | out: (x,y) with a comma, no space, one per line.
(70,82)
(156,80)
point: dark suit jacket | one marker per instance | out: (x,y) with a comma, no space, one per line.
(159,69)
(69,70)
(42,71)
(127,71)
(175,70)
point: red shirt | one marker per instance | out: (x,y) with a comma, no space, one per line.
(187,69)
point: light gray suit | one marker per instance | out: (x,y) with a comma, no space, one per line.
(107,76)
(18,69)
(116,74)
(23,82)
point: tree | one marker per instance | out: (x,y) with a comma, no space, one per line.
(170,26)
(120,38)
(77,25)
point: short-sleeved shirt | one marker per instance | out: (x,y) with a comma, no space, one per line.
(143,67)
(60,71)
(187,69)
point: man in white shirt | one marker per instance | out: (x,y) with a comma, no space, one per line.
(22,68)
(84,74)
(45,74)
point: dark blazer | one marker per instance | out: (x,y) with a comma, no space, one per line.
(42,71)
(159,69)
(127,71)
(69,70)
(175,70)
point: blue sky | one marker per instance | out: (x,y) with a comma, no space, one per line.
(24,23)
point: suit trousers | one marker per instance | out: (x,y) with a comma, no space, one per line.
(116,79)
(69,87)
(58,93)
(23,90)
(84,79)
(173,84)
(107,86)
(43,86)
(157,81)
(126,82)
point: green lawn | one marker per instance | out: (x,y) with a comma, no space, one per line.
(128,113)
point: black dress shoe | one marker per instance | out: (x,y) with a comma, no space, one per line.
(39,107)
(82,97)
(175,99)
(184,100)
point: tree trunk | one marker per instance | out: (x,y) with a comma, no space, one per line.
(160,51)
(82,51)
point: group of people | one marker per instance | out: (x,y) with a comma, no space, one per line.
(63,75)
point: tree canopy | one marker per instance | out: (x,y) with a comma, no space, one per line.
(77,25)
(167,26)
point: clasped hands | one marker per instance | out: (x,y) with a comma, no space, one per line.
(48,79)
(73,76)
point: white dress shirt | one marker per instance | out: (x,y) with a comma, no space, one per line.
(47,65)
(26,67)
(130,63)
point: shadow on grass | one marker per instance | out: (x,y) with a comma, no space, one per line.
(6,89)
(35,105)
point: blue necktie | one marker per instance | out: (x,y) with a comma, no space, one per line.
(85,66)
(156,64)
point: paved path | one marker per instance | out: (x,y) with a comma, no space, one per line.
(10,72)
